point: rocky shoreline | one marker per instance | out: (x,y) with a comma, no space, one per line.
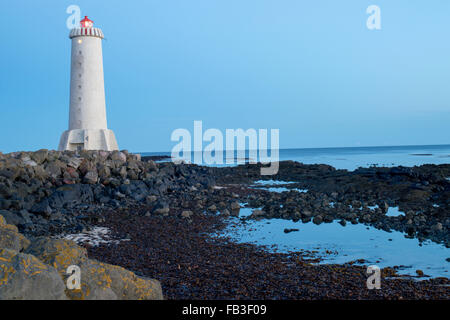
(49,193)
(360,196)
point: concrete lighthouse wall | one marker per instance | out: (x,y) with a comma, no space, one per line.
(87,116)
(87,91)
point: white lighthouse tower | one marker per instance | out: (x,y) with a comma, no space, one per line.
(87,118)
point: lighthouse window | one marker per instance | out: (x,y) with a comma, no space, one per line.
(79,52)
(80,41)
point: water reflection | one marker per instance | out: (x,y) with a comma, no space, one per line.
(337,244)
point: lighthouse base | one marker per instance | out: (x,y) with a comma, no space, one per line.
(88,139)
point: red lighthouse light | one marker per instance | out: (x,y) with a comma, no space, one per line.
(86,23)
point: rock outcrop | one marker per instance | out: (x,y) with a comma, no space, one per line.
(10,238)
(38,270)
(47,192)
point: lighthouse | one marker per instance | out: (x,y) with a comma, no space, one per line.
(87,116)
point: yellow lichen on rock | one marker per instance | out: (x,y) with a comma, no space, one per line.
(5,267)
(98,280)
(59,253)
(23,276)
(104,281)
(40,272)
(10,238)
(125,284)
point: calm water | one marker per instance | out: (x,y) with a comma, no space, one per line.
(335,243)
(352,158)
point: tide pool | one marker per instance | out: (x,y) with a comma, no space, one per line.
(346,243)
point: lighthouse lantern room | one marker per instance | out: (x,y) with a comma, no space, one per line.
(86,23)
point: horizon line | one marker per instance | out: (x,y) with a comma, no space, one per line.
(354,147)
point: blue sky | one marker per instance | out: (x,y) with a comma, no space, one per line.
(309,68)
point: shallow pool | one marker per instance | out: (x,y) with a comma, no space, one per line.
(346,243)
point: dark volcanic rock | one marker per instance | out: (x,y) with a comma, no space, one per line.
(70,195)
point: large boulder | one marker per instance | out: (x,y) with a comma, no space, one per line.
(99,281)
(54,169)
(70,194)
(415,196)
(39,156)
(24,277)
(40,173)
(10,238)
(40,272)
(74,162)
(12,218)
(91,177)
(118,156)
(59,253)
(42,208)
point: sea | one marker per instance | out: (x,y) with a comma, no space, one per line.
(349,158)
